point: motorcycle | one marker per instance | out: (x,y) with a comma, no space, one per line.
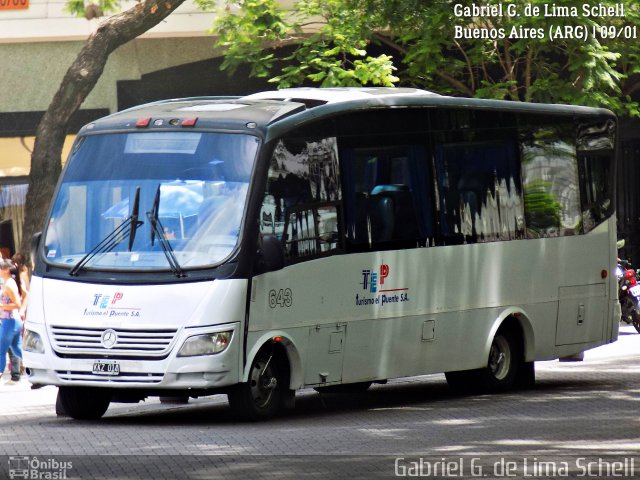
(628,293)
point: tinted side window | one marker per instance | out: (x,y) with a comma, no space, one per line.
(387,197)
(596,141)
(479,191)
(550,181)
(302,204)
(595,173)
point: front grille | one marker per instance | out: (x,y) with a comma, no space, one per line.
(124,377)
(82,342)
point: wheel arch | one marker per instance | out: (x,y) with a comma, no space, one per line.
(285,346)
(516,318)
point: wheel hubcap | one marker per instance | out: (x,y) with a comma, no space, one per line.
(263,382)
(500,358)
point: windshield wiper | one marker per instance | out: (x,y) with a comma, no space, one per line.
(157,229)
(133,222)
(125,229)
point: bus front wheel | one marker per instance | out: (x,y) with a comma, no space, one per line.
(84,403)
(259,398)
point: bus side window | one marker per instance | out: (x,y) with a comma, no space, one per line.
(480,192)
(596,142)
(550,182)
(387,198)
(597,206)
(302,200)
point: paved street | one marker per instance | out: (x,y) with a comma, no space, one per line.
(582,416)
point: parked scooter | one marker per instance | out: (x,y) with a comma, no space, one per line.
(628,292)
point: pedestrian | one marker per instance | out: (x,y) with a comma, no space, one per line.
(15,362)
(24,270)
(10,323)
(20,272)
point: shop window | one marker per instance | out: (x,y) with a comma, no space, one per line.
(12,206)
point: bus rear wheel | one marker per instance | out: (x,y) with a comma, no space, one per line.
(261,397)
(501,372)
(84,403)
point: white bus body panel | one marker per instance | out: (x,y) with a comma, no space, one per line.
(438,308)
(59,310)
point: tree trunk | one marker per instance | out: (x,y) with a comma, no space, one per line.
(76,85)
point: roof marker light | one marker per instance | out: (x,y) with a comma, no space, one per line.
(189,122)
(143,122)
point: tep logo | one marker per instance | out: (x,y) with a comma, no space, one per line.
(103,301)
(370,279)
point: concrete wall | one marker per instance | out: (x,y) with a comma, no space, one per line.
(46,21)
(31,72)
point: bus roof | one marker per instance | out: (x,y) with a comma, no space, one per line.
(313,97)
(274,112)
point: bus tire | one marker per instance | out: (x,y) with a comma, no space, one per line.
(505,358)
(502,370)
(262,396)
(84,403)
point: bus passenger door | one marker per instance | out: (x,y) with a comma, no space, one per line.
(325,354)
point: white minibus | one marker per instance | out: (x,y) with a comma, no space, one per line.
(325,238)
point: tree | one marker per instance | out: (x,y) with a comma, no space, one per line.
(77,83)
(438,46)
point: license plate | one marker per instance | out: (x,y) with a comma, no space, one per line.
(635,291)
(106,367)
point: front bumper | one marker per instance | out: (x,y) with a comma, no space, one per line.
(169,373)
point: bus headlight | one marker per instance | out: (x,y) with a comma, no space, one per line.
(205,344)
(32,342)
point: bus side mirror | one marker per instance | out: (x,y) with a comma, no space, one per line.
(272,253)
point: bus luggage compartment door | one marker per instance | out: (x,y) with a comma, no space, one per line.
(582,314)
(325,354)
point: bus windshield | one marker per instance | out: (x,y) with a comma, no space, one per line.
(192,184)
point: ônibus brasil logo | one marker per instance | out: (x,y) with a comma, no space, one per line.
(377,293)
(28,467)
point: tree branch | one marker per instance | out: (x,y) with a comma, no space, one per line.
(455,83)
(527,74)
(390,43)
(469,65)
